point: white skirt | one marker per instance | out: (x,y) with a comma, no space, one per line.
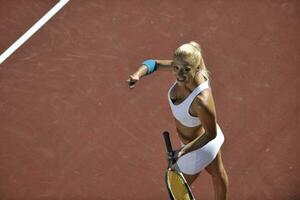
(195,161)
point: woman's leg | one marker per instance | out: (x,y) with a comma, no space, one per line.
(190,178)
(219,177)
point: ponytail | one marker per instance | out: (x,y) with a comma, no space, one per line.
(203,69)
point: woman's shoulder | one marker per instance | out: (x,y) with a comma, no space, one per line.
(205,95)
(200,79)
(173,90)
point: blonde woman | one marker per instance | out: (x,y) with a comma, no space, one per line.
(193,107)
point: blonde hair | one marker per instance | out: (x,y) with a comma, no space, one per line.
(192,52)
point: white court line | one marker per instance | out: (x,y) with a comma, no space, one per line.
(32,30)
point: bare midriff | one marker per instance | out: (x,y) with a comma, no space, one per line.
(188,134)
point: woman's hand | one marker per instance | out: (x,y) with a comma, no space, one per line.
(133,79)
(142,71)
(178,153)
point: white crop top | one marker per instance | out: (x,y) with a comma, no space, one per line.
(181,111)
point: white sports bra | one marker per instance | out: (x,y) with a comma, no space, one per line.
(181,111)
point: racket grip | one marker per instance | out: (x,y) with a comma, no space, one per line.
(166,136)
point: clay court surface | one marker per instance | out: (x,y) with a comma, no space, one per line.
(70,129)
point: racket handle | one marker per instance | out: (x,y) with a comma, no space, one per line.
(166,136)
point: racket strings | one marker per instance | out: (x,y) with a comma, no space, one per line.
(177,186)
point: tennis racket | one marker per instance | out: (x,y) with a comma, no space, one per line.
(176,184)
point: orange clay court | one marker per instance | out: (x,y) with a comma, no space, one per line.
(70,129)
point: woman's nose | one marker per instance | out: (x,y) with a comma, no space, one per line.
(180,72)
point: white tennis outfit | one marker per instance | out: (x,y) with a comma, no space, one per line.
(195,161)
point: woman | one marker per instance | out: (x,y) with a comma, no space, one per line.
(193,107)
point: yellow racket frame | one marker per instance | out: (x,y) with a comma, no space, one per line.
(178,189)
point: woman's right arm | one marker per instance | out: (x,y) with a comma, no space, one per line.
(164,64)
(143,70)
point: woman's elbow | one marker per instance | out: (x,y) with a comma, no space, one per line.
(212,133)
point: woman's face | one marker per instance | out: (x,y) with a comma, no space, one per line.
(183,70)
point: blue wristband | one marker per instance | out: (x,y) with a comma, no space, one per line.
(151,65)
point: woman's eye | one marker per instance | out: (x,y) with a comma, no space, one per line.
(176,67)
(187,69)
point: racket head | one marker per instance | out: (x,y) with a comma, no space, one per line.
(177,186)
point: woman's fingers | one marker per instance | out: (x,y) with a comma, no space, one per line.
(178,153)
(131,84)
(132,81)
(134,77)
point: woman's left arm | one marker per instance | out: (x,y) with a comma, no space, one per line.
(207,114)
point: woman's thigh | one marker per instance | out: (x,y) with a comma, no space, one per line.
(191,178)
(216,167)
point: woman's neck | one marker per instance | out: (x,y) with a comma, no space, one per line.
(197,80)
(191,85)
